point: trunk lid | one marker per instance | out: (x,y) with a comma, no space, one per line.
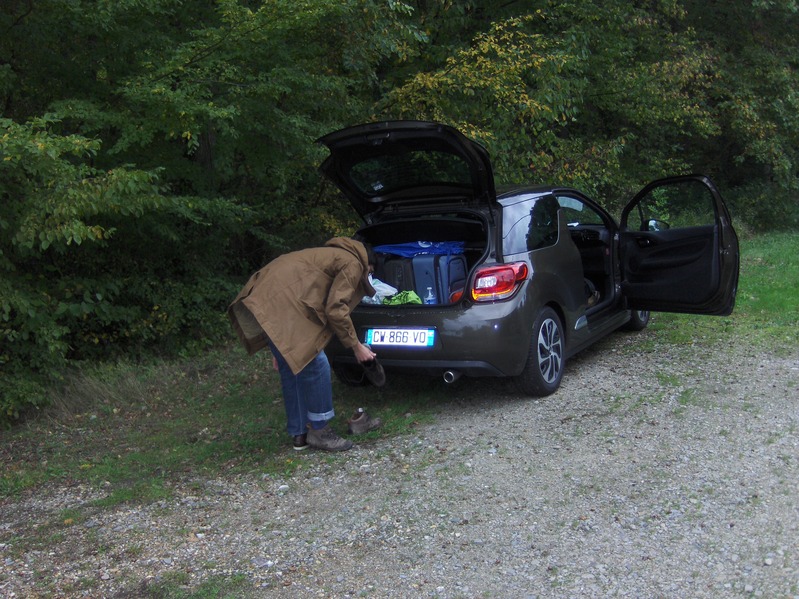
(403,163)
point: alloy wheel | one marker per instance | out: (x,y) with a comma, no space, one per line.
(550,350)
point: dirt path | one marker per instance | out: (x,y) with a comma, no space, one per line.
(673,473)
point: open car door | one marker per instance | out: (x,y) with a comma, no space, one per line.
(678,250)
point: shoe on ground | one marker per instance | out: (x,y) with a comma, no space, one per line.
(300,442)
(327,440)
(374,372)
(361,422)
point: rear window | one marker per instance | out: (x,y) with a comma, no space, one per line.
(386,174)
(530,225)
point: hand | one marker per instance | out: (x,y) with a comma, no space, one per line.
(274,363)
(363,353)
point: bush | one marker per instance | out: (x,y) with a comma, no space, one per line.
(763,208)
(98,263)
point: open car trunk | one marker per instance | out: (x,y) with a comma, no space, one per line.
(436,275)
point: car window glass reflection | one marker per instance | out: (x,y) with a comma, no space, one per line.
(531,225)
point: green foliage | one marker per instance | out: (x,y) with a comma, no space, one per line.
(609,95)
(89,261)
(756,101)
(155,152)
(532,87)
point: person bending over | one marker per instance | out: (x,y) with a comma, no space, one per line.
(294,305)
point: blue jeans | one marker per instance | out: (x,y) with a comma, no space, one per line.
(308,395)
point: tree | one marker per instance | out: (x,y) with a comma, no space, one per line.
(755,98)
(573,93)
(608,95)
(167,153)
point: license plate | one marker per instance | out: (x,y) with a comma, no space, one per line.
(401,337)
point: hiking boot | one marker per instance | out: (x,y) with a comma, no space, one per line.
(326,439)
(300,442)
(361,422)
(374,372)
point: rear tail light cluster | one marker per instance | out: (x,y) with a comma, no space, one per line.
(499,281)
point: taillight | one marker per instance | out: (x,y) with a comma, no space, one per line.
(498,281)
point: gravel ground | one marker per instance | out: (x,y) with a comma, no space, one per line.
(666,474)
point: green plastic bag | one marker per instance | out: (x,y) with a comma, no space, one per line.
(403,297)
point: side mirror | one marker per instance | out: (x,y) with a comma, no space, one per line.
(656,225)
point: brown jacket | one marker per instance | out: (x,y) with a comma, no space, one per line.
(301,299)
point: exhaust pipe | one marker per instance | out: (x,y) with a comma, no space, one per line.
(450,376)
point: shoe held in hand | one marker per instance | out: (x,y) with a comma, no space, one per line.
(374,372)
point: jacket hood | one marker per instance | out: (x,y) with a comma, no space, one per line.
(357,249)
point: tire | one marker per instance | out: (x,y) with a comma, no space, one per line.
(638,320)
(546,360)
(352,376)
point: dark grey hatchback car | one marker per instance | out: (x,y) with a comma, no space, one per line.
(529,275)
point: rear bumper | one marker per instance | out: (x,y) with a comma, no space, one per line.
(473,339)
(429,367)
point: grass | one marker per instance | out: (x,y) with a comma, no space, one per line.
(173,585)
(133,431)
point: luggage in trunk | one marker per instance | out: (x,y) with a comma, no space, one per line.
(451,272)
(424,273)
(396,271)
(436,278)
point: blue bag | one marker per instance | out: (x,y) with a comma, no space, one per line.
(414,248)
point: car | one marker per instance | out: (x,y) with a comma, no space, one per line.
(514,280)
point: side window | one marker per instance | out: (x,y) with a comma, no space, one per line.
(576,212)
(530,225)
(674,206)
